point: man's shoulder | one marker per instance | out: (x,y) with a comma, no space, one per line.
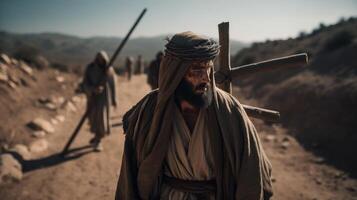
(147,103)
(226,97)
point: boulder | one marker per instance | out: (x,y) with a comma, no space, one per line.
(70,106)
(41,124)
(22,150)
(60,118)
(60,79)
(54,121)
(3,73)
(76,99)
(14,61)
(10,168)
(285,145)
(12,84)
(269,138)
(58,100)
(25,68)
(38,134)
(5,59)
(50,106)
(39,146)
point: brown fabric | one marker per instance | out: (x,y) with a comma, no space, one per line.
(189,186)
(96,103)
(242,169)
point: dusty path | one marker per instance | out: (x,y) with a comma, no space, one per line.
(90,175)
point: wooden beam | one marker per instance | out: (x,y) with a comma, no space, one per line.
(262,113)
(224,55)
(296,60)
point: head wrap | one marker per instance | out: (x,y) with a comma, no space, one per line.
(190,46)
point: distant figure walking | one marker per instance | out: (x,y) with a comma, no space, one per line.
(129,67)
(153,73)
(97,94)
(139,68)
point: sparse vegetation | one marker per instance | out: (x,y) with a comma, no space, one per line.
(338,40)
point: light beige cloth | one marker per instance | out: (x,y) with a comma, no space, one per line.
(189,155)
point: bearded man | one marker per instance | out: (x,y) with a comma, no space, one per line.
(98,96)
(189,139)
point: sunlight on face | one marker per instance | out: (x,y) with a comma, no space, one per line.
(199,75)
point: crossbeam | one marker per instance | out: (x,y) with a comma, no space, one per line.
(287,62)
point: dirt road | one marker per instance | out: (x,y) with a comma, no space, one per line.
(92,176)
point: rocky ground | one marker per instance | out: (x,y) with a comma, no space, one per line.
(34,170)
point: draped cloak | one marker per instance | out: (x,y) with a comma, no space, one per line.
(242,170)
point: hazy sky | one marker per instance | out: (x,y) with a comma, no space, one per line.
(249,20)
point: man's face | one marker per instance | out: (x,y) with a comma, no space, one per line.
(195,87)
(100,61)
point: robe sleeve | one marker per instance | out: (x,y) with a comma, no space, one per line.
(112,85)
(127,186)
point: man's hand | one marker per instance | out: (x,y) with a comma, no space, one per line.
(98,89)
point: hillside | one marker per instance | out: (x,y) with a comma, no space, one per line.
(318,103)
(74,51)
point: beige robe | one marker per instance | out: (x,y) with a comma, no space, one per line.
(189,155)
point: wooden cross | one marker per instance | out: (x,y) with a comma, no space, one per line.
(225,74)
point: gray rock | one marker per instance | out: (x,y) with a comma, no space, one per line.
(10,168)
(41,124)
(38,134)
(50,106)
(54,121)
(4,58)
(59,100)
(60,118)
(285,145)
(3,77)
(22,150)
(3,73)
(39,146)
(70,106)
(60,79)
(76,99)
(25,68)
(14,61)
(12,84)
(269,138)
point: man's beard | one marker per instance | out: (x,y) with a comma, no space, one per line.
(186,91)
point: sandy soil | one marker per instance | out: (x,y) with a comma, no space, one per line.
(85,174)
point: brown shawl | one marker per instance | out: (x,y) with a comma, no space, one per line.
(243,170)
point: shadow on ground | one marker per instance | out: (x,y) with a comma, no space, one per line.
(52,160)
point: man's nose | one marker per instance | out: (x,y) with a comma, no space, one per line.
(205,77)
